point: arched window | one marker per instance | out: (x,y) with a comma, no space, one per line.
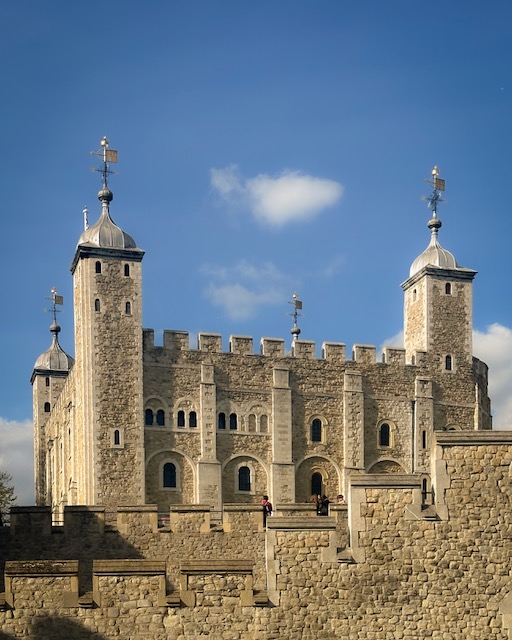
(96,305)
(448,289)
(47,407)
(117,437)
(384,435)
(192,419)
(244,479)
(169,475)
(47,381)
(423,439)
(222,421)
(252,422)
(316,430)
(181,418)
(126,269)
(98,267)
(263,424)
(233,421)
(160,417)
(128,308)
(148,419)
(316,484)
(448,363)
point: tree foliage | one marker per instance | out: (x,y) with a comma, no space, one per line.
(7,497)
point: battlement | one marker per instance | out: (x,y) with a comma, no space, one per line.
(175,341)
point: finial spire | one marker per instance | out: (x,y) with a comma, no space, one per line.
(108,156)
(438,185)
(297,306)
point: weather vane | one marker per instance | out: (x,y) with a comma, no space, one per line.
(437,187)
(108,156)
(297,306)
(55,300)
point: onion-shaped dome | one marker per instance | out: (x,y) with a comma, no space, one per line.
(55,359)
(105,233)
(434,255)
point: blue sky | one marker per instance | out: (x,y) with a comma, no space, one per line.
(264,148)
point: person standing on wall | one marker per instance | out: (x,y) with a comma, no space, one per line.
(267,509)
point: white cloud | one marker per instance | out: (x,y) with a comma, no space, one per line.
(494,347)
(17,457)
(277,200)
(243,288)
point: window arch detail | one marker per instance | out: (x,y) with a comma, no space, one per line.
(385,435)
(169,476)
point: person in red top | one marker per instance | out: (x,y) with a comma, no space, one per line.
(267,509)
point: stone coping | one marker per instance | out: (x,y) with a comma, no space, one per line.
(128,567)
(193,567)
(136,508)
(41,567)
(188,508)
(298,523)
(386,480)
(472,438)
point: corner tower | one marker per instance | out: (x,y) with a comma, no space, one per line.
(107,280)
(438,300)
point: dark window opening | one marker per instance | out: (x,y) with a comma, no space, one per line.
(47,407)
(126,269)
(169,473)
(160,417)
(192,419)
(148,420)
(244,479)
(47,382)
(117,437)
(448,363)
(222,421)
(448,289)
(98,267)
(316,484)
(424,439)
(181,418)
(233,421)
(384,435)
(316,430)
(96,305)
(128,308)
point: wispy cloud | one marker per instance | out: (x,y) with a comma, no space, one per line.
(241,290)
(275,201)
(17,457)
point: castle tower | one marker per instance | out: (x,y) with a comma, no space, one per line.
(438,300)
(106,272)
(50,372)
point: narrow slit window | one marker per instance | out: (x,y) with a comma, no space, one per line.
(98,267)
(384,435)
(169,475)
(160,417)
(117,437)
(192,419)
(126,269)
(47,407)
(424,439)
(97,305)
(222,421)
(244,479)
(233,422)
(448,363)
(448,289)
(316,430)
(47,381)
(181,418)
(148,419)
(128,308)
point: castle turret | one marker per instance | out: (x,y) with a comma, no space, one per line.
(108,338)
(48,377)
(438,300)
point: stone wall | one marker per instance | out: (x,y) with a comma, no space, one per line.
(383,567)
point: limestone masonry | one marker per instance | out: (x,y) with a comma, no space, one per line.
(151,461)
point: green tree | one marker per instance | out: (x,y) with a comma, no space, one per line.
(7,497)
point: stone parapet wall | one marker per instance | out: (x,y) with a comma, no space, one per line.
(403,570)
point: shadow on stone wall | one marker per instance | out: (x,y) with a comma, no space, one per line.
(56,628)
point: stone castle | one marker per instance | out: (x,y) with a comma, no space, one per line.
(151,461)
